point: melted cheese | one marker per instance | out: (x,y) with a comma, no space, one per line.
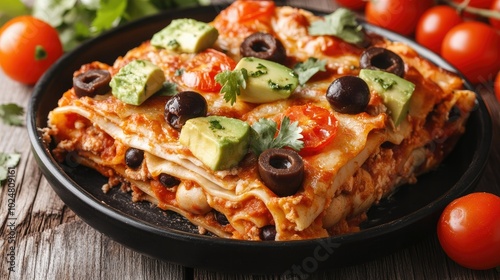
(341,182)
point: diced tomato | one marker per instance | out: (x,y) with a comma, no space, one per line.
(319,126)
(244,16)
(200,71)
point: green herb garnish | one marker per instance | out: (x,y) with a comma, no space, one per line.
(342,24)
(11,113)
(7,160)
(307,69)
(265,135)
(232,82)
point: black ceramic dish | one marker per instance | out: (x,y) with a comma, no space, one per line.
(395,223)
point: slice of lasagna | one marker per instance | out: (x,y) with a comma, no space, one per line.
(275,131)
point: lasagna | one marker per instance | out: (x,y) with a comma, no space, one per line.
(358,117)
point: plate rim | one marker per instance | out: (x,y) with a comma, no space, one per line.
(55,172)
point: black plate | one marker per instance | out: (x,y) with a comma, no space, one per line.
(393,224)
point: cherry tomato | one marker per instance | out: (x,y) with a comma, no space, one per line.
(472,47)
(433,26)
(199,72)
(352,4)
(319,126)
(28,47)
(495,7)
(400,16)
(497,86)
(245,17)
(469,230)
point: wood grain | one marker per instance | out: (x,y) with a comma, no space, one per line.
(53,243)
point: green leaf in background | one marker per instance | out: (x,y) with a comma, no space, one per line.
(342,23)
(7,160)
(108,15)
(79,20)
(11,114)
(53,11)
(10,9)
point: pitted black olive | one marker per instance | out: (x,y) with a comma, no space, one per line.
(377,58)
(220,218)
(282,171)
(264,46)
(454,114)
(91,83)
(184,106)
(168,180)
(268,233)
(134,157)
(348,94)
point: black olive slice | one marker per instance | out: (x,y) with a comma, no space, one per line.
(377,58)
(268,233)
(134,157)
(264,46)
(348,94)
(168,180)
(91,83)
(282,171)
(184,106)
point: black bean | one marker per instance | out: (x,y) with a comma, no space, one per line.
(134,157)
(268,233)
(168,180)
(184,106)
(348,94)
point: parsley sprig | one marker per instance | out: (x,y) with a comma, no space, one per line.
(266,135)
(7,160)
(307,69)
(232,82)
(342,24)
(11,113)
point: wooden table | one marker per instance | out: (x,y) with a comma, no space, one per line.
(51,242)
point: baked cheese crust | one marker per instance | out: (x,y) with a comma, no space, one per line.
(368,159)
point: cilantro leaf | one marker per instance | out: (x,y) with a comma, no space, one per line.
(168,89)
(342,23)
(232,82)
(265,130)
(7,160)
(11,113)
(305,70)
(110,11)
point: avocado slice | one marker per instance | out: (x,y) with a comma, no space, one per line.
(267,81)
(395,91)
(219,142)
(137,81)
(186,36)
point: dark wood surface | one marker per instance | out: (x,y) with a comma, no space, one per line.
(51,242)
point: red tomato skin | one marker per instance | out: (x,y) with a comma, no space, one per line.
(400,16)
(352,4)
(19,38)
(319,126)
(200,71)
(473,48)
(495,6)
(469,230)
(496,86)
(433,26)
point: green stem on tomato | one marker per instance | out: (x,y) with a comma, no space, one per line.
(464,7)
